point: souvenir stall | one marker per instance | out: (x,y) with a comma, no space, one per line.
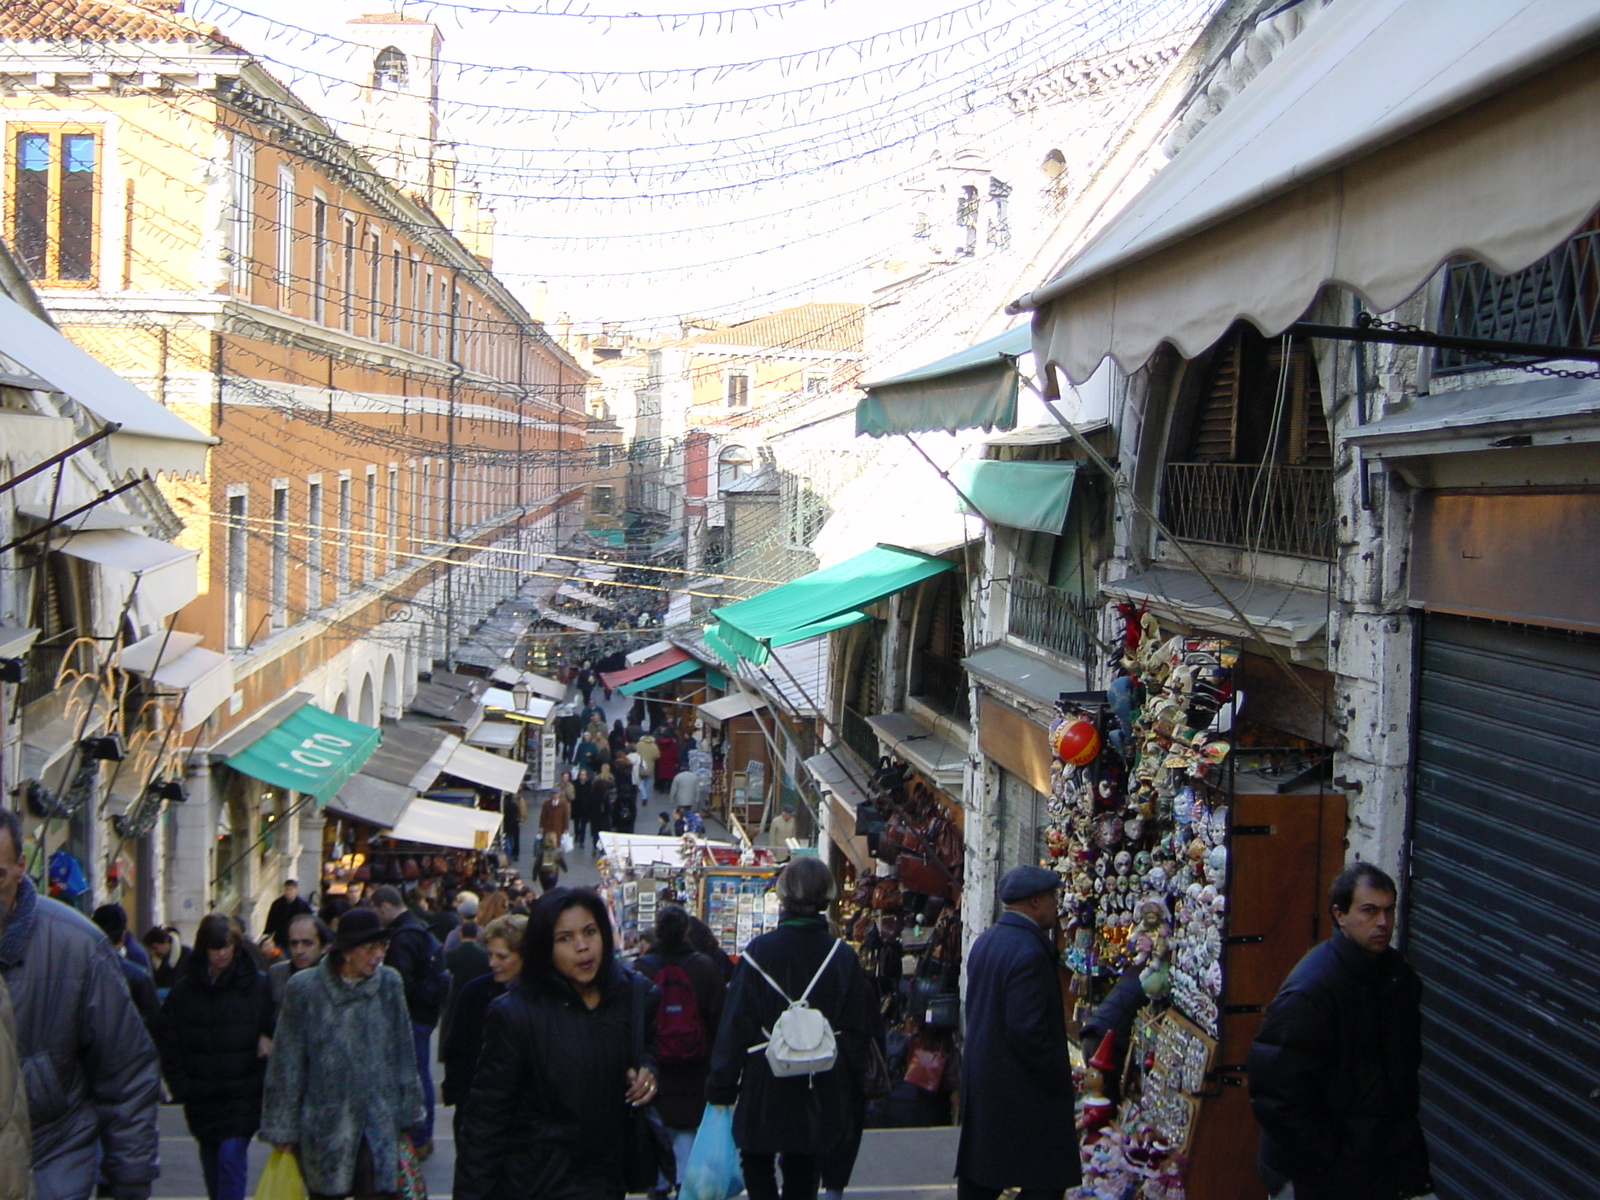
(640,872)
(903,918)
(1194,840)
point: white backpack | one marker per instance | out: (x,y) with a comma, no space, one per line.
(800,1041)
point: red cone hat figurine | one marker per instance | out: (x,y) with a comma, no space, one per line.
(1105,1055)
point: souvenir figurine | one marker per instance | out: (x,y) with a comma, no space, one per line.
(1123,863)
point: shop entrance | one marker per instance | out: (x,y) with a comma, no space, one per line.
(1501,919)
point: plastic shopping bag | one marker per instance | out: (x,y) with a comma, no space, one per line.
(712,1172)
(566,843)
(280,1179)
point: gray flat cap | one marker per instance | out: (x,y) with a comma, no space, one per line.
(1020,883)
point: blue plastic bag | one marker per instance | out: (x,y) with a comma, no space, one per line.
(712,1172)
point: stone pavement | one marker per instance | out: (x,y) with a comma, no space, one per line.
(895,1164)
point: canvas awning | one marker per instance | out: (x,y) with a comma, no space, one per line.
(975,388)
(16,640)
(312,751)
(409,759)
(1388,137)
(1285,616)
(150,438)
(1022,495)
(496,735)
(453,826)
(549,688)
(1041,680)
(925,748)
(818,603)
(736,704)
(666,675)
(492,771)
(634,657)
(667,658)
(178,661)
(163,574)
(503,704)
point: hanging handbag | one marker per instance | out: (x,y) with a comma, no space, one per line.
(877,1083)
(924,878)
(648,1151)
(869,819)
(925,1064)
(886,895)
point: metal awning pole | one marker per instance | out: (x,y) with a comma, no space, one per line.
(63,519)
(1443,341)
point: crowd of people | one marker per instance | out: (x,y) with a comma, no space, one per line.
(576,1077)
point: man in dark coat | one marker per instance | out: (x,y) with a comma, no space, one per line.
(283,910)
(1017,1127)
(1333,1070)
(211,1037)
(413,953)
(94,1084)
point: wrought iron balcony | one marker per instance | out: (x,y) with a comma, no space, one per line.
(1252,506)
(1554,302)
(1053,620)
(943,684)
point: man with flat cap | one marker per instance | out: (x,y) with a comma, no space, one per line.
(1016,1077)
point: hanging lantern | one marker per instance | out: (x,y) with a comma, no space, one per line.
(1076,741)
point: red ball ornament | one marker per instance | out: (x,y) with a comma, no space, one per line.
(1077,741)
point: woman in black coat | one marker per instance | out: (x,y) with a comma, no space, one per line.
(213,1037)
(462,1039)
(799,1117)
(566,1055)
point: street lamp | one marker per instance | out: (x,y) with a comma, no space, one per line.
(522,695)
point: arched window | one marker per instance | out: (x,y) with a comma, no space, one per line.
(390,71)
(732,465)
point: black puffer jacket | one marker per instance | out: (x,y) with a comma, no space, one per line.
(547,1100)
(682,1100)
(209,1038)
(1333,1078)
(804,1114)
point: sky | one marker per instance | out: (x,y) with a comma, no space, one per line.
(653,159)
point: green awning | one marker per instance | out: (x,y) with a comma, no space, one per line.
(665,675)
(818,603)
(1023,495)
(313,752)
(716,678)
(973,389)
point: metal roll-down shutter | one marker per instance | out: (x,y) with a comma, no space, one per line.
(1503,915)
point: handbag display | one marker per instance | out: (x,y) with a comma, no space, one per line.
(925,1064)
(924,878)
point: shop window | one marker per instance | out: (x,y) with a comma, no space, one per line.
(285,220)
(280,555)
(342,574)
(241,212)
(54,189)
(601,498)
(1252,464)
(316,535)
(319,259)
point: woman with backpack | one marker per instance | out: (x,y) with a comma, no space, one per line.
(692,994)
(567,1055)
(793,1104)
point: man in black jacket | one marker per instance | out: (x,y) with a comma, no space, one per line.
(1016,1074)
(283,910)
(1333,1070)
(415,954)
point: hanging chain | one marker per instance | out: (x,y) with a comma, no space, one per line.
(1367,321)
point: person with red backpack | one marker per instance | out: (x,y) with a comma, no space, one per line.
(692,992)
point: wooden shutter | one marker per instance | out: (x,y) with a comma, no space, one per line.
(1216,435)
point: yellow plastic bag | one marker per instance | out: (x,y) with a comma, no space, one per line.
(280,1179)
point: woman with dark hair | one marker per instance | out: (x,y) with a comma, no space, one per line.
(584,799)
(793,1120)
(565,1054)
(213,1035)
(618,738)
(168,957)
(692,991)
(463,1039)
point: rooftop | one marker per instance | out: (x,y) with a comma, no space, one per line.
(104,21)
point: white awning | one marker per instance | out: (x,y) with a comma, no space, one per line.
(1389,137)
(510,677)
(178,661)
(644,849)
(99,517)
(536,712)
(572,591)
(164,573)
(491,770)
(151,438)
(16,640)
(635,657)
(454,826)
(735,704)
(495,735)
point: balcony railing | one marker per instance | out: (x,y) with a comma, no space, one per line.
(944,684)
(1053,620)
(1252,506)
(1554,302)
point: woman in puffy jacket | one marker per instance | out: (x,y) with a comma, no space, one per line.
(213,1035)
(565,1056)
